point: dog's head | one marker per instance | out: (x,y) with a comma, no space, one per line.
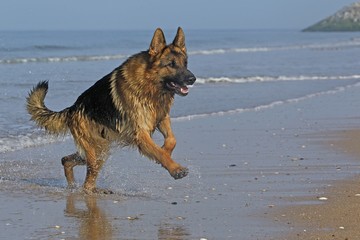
(171,62)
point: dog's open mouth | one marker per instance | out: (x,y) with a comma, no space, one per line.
(181,90)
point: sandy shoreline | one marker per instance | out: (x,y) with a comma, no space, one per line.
(337,216)
(245,168)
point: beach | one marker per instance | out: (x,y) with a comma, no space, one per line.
(337,217)
(253,175)
(269,133)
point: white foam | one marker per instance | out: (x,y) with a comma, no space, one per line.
(266,106)
(321,46)
(230,50)
(324,46)
(62,59)
(13,143)
(252,79)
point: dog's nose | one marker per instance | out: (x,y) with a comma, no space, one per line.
(191,80)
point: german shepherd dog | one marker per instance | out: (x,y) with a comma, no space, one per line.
(126,106)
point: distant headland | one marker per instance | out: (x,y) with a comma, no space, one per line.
(347,19)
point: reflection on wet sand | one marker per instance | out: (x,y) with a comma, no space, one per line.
(93,223)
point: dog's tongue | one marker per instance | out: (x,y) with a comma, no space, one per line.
(184,89)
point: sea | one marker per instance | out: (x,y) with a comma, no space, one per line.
(237,71)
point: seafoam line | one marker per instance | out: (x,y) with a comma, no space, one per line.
(62,59)
(266,106)
(252,79)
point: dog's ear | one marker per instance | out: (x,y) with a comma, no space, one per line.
(158,42)
(179,39)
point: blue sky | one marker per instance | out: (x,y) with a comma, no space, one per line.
(149,14)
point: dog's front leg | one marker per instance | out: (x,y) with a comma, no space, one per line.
(151,150)
(169,138)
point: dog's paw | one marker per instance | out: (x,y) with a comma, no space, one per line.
(103,191)
(180,173)
(71,186)
(98,191)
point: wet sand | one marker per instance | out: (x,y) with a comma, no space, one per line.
(245,169)
(337,216)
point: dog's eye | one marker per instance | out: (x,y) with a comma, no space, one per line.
(172,63)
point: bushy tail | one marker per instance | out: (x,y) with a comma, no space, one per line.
(53,122)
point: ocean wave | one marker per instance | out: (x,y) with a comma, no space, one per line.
(52,47)
(252,79)
(45,47)
(353,43)
(62,59)
(57,59)
(266,106)
(14,143)
(230,50)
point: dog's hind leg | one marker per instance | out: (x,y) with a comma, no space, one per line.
(94,163)
(96,152)
(92,172)
(93,146)
(69,162)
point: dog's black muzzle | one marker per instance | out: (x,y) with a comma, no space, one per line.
(181,82)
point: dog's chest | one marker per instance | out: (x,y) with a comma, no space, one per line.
(150,114)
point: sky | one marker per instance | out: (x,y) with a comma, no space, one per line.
(149,14)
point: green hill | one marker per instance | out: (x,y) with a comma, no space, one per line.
(347,19)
